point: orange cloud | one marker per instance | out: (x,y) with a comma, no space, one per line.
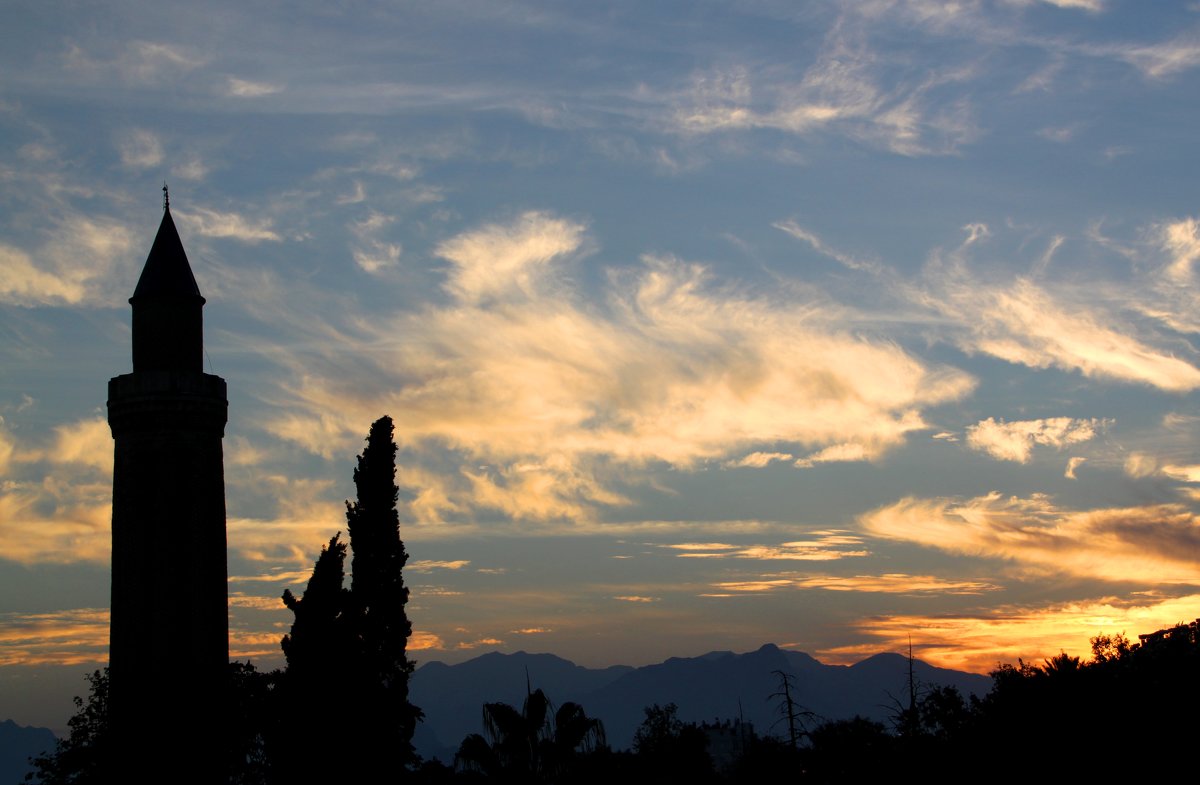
(69,637)
(428,565)
(673,368)
(1153,544)
(421,641)
(981,641)
(824,547)
(890,583)
(1014,441)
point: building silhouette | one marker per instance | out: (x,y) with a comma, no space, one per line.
(169,630)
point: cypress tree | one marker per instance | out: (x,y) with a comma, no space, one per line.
(348,665)
(378,597)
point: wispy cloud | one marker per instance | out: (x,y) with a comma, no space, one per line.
(55,499)
(67,637)
(137,62)
(75,266)
(676,367)
(823,546)
(758,460)
(498,261)
(140,149)
(846,90)
(245,88)
(1023,322)
(800,233)
(428,565)
(1156,544)
(371,252)
(214,223)
(890,583)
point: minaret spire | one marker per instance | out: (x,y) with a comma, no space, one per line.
(166,198)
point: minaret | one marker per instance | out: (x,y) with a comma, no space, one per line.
(169,631)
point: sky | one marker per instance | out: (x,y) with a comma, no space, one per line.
(703,324)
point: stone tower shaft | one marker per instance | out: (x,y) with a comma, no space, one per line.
(169,628)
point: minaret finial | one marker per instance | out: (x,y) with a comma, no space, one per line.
(166,197)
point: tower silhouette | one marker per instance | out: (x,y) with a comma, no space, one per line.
(169,629)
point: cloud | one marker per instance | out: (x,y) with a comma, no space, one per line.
(561,400)
(244,88)
(890,583)
(56,499)
(500,260)
(636,598)
(1094,6)
(475,644)
(1141,464)
(981,640)
(139,62)
(1073,464)
(423,641)
(1014,441)
(1181,239)
(190,169)
(758,460)
(1023,322)
(1162,59)
(213,223)
(835,453)
(371,253)
(1156,544)
(140,149)
(1060,134)
(22,283)
(800,233)
(64,637)
(75,266)
(848,89)
(823,546)
(428,565)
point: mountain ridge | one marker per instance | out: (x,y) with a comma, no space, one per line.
(715,685)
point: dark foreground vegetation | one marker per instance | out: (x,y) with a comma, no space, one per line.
(339,711)
(1126,713)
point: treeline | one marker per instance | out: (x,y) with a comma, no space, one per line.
(1128,712)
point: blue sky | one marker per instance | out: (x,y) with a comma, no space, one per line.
(702,324)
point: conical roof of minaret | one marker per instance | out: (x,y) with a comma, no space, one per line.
(167,273)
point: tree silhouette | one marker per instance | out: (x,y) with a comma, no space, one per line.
(670,750)
(378,597)
(321,636)
(535,744)
(347,664)
(795,714)
(83,757)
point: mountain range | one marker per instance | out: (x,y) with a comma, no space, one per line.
(720,685)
